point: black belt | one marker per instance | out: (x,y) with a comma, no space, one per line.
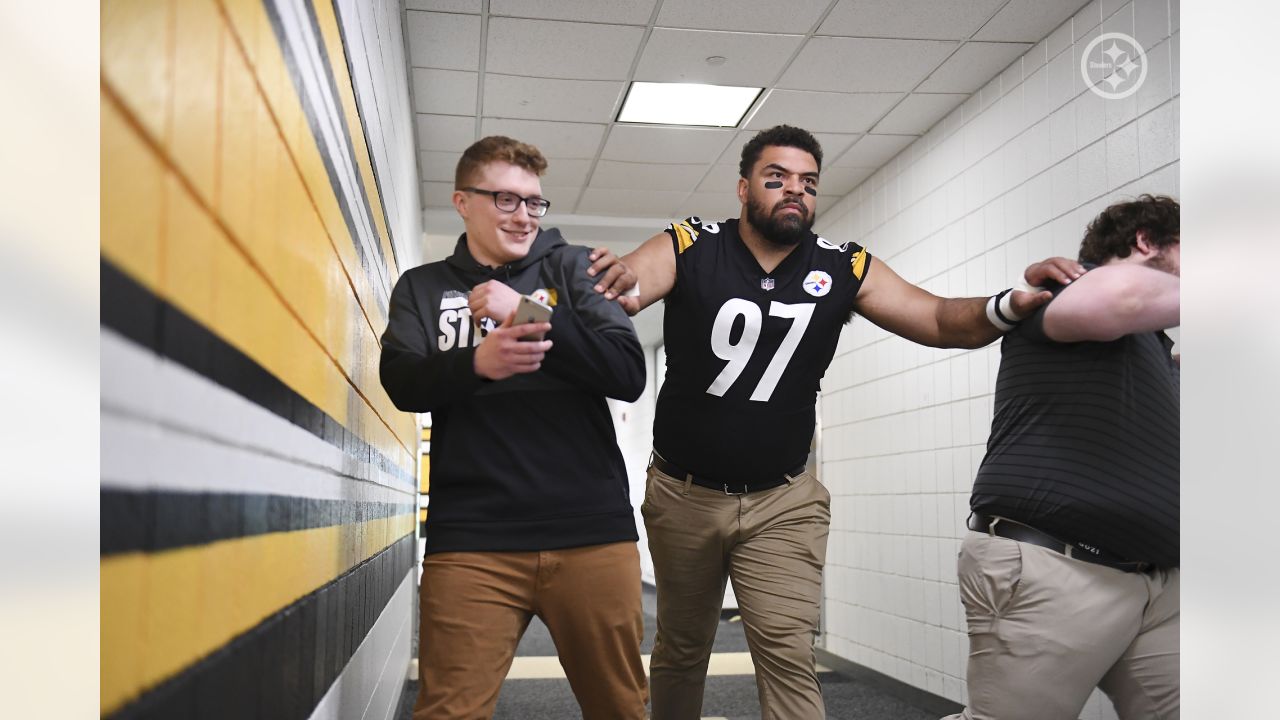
(1013,530)
(667,468)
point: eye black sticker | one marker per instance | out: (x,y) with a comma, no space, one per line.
(773,185)
(811,190)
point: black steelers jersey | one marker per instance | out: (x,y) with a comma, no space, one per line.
(746,350)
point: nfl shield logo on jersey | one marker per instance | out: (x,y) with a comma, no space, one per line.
(817,283)
(767,283)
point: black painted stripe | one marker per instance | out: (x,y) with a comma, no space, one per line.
(139,315)
(314,122)
(282,668)
(155,520)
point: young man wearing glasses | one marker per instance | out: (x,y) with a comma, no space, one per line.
(530,510)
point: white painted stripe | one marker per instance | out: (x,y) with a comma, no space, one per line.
(318,96)
(370,685)
(544,667)
(167,427)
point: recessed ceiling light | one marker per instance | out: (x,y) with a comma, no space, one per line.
(687,104)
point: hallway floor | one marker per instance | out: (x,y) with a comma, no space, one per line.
(536,687)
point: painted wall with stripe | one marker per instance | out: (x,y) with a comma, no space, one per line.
(1012,176)
(259,490)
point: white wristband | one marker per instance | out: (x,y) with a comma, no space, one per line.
(993,317)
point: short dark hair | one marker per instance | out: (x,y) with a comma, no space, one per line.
(1114,233)
(779,136)
(496,148)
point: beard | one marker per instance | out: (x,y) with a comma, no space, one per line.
(1165,262)
(785,230)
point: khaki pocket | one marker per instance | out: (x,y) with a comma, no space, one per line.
(990,572)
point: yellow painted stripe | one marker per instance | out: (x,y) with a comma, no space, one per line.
(163,611)
(328,22)
(159,227)
(253,40)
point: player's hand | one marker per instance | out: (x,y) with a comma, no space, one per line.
(1056,269)
(1025,300)
(617,278)
(493,300)
(503,353)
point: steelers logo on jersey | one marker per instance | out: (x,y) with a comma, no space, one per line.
(817,283)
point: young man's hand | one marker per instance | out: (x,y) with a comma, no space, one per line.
(504,353)
(493,300)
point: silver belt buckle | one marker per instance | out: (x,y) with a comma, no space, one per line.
(727,491)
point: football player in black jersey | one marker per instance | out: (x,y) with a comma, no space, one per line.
(754,309)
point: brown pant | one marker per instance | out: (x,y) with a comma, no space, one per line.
(1045,630)
(476,605)
(772,545)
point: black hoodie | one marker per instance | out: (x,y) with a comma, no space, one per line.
(530,462)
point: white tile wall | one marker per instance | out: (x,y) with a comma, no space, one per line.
(1010,177)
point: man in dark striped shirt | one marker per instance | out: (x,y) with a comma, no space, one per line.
(1070,578)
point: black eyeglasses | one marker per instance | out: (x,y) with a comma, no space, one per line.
(508,201)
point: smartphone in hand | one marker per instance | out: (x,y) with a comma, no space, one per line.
(531,311)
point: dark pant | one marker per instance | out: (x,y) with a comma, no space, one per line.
(476,605)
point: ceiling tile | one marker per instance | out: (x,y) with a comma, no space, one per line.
(839,181)
(440,40)
(665,145)
(566,172)
(872,151)
(823,111)
(867,64)
(542,48)
(447,92)
(439,166)
(721,179)
(646,176)
(766,16)
(460,6)
(833,145)
(751,60)
(973,66)
(1028,20)
(652,203)
(927,19)
(526,98)
(711,206)
(624,12)
(450,133)
(437,194)
(554,139)
(917,113)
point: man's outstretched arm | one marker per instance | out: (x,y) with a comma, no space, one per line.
(920,316)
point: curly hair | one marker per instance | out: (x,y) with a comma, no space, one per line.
(1114,233)
(497,148)
(778,136)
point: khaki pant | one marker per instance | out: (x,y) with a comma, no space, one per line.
(476,605)
(1045,630)
(772,545)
